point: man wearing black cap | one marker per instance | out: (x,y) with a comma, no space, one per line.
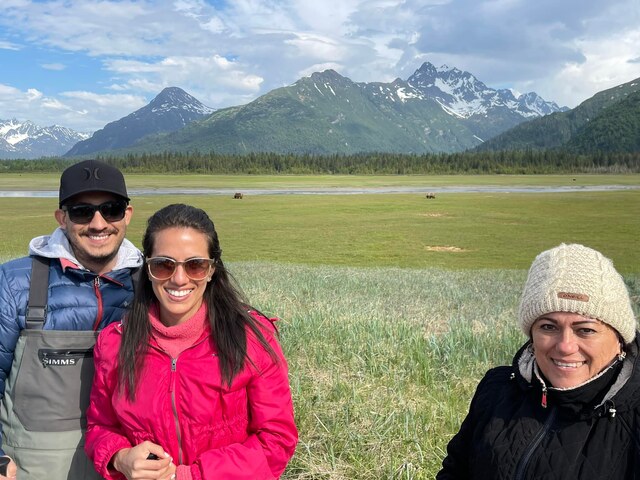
(52,304)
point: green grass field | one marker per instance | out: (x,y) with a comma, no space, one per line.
(392,307)
(48,181)
(454,231)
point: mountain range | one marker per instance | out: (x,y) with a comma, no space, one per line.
(27,140)
(435,110)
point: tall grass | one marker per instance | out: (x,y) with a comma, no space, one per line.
(383,361)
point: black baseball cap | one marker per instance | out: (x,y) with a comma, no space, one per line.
(91,176)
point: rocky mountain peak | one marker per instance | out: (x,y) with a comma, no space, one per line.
(176,98)
(462,94)
(25,139)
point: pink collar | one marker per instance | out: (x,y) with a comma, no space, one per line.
(174,340)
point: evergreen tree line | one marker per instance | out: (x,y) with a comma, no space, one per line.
(500,162)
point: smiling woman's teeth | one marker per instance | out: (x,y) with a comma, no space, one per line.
(178,293)
(568,365)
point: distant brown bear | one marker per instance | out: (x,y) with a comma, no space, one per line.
(238,195)
(431,195)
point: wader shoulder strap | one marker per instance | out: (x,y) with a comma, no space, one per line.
(38,292)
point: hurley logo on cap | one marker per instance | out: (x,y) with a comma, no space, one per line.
(581,297)
(95,173)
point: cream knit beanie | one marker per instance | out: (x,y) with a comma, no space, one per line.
(574,278)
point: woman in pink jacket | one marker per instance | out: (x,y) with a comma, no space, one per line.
(193,383)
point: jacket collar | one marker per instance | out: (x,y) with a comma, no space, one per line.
(618,385)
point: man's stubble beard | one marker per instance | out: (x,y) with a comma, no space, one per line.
(86,258)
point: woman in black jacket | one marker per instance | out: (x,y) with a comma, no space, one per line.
(569,405)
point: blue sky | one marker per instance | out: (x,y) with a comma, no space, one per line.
(82,64)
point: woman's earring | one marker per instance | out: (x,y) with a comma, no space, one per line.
(622,355)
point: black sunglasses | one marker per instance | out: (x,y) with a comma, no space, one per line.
(163,268)
(82,213)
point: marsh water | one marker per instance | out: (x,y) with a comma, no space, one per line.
(340,190)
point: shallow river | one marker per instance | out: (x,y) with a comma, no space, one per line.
(342,190)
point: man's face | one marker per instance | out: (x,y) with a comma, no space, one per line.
(95,244)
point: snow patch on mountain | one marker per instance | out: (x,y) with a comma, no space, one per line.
(405,94)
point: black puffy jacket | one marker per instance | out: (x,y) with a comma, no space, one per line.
(589,433)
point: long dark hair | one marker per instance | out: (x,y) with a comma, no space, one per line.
(228,312)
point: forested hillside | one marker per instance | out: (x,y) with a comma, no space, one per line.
(581,127)
(616,129)
(518,162)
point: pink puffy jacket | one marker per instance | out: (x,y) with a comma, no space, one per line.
(245,431)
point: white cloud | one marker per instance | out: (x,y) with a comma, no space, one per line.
(106,100)
(7,91)
(55,104)
(117,87)
(53,66)
(330,17)
(81,111)
(317,47)
(142,84)
(8,46)
(33,94)
(607,63)
(207,78)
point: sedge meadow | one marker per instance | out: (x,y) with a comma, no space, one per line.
(392,306)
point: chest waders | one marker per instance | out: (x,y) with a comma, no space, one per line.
(47,394)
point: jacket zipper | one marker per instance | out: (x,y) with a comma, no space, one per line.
(543,401)
(174,407)
(526,457)
(172,384)
(96,289)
